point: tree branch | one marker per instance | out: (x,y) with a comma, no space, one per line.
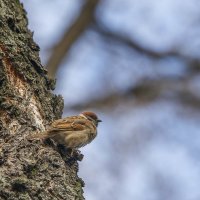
(147,91)
(70,36)
(113,36)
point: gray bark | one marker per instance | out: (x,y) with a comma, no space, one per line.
(29,169)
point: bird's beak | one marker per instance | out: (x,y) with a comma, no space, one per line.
(98,120)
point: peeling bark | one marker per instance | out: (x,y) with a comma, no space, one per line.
(28,169)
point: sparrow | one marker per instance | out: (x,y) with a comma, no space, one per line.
(73,132)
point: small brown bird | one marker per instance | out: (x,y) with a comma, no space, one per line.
(73,132)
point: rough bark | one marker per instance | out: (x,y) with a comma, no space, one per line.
(28,169)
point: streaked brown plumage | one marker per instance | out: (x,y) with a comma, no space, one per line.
(73,132)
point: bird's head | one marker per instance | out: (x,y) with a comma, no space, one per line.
(91,116)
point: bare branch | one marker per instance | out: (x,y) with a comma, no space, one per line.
(71,35)
(147,91)
(113,36)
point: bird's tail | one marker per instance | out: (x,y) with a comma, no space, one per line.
(38,136)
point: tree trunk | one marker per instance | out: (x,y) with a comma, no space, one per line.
(28,169)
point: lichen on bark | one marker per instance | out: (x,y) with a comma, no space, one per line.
(28,169)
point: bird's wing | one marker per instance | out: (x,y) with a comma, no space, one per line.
(65,125)
(70,124)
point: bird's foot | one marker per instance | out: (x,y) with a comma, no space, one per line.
(78,155)
(62,150)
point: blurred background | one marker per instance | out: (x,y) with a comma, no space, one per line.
(136,63)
